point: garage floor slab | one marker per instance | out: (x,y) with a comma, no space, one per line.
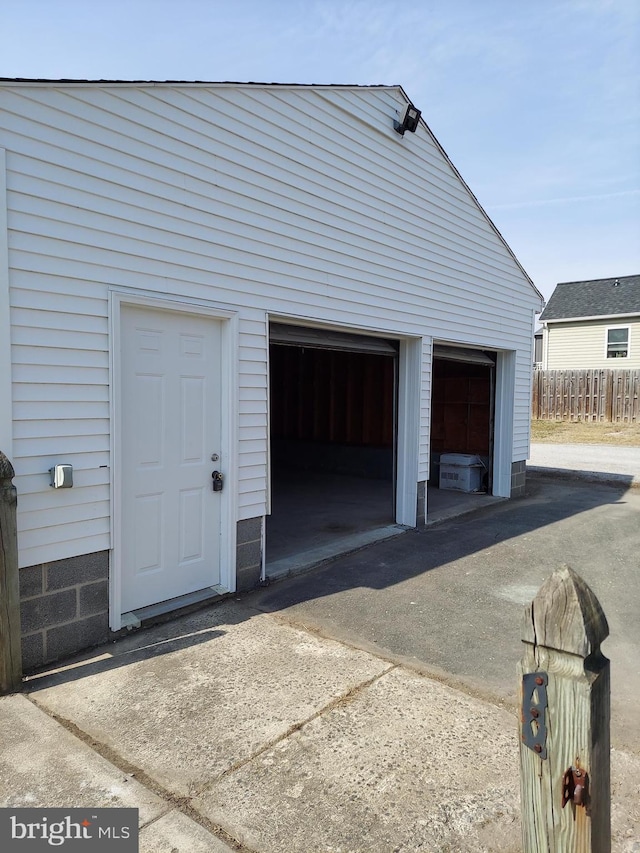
(318,516)
(312,510)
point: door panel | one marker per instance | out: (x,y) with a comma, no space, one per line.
(171,401)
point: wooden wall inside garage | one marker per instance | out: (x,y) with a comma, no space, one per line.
(461,408)
(331,396)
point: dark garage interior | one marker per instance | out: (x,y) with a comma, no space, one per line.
(462,411)
(332,405)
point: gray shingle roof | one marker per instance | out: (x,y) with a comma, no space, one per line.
(601,297)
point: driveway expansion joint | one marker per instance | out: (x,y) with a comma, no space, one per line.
(173,801)
(509,703)
(336,702)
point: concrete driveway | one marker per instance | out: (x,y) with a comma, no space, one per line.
(366,706)
(449,599)
(597,461)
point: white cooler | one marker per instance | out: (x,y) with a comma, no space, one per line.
(461,471)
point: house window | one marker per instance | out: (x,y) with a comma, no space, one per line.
(618,342)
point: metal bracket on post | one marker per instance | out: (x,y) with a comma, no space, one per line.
(575,788)
(534,708)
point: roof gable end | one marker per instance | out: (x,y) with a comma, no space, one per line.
(366,90)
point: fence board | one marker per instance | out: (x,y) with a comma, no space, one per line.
(586,395)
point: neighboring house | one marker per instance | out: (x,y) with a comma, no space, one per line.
(220,294)
(592,324)
(537,348)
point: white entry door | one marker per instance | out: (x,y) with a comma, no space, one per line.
(170,428)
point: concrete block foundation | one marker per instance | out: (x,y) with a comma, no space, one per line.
(518,478)
(248,553)
(421,509)
(64,607)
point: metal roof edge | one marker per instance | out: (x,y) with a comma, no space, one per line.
(596,280)
(590,317)
(69,81)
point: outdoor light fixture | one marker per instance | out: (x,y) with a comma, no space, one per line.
(409,120)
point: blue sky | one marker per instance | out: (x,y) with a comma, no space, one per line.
(537,102)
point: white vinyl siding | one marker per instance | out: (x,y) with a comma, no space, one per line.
(253,199)
(582,345)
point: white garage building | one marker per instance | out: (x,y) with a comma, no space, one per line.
(270,282)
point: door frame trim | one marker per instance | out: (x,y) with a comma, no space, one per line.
(408,430)
(505,390)
(119,298)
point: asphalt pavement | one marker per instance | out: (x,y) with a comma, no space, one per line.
(369,705)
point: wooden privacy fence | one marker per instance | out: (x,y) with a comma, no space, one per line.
(586,395)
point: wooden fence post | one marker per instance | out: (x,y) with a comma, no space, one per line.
(10,649)
(565,718)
